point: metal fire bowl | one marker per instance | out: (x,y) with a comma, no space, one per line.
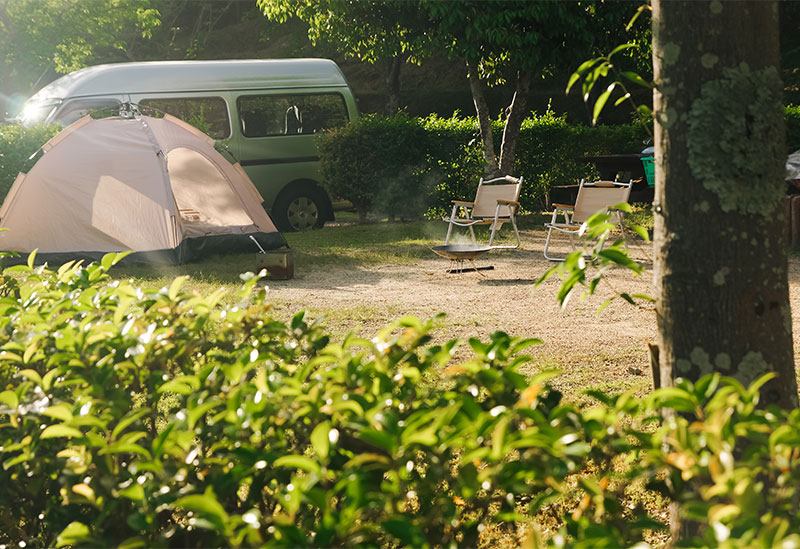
(460,252)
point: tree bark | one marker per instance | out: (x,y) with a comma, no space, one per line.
(490,167)
(393,85)
(721,260)
(721,256)
(514,118)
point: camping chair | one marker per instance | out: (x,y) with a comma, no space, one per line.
(592,198)
(496,202)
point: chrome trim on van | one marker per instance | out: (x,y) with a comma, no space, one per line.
(267,161)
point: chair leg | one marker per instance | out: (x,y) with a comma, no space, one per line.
(516,230)
(547,244)
(450,225)
(472,232)
(495,227)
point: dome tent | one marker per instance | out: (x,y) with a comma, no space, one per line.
(154,186)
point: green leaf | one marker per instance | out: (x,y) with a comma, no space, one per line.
(107,261)
(605,304)
(124,448)
(636,79)
(498,438)
(175,287)
(572,79)
(73,534)
(133,492)
(641,231)
(10,399)
(622,99)
(320,440)
(175,387)
(621,47)
(196,413)
(207,506)
(33,375)
(134,543)
(404,530)
(378,439)
(61,430)
(59,411)
(298,462)
(129,418)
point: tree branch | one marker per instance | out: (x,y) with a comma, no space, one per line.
(485,124)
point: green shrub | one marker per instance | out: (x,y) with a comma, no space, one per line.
(424,163)
(144,418)
(164,418)
(17,144)
(793,128)
(373,163)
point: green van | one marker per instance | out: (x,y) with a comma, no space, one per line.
(265,111)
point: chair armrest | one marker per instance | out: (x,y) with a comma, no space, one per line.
(564,206)
(499,201)
(463,202)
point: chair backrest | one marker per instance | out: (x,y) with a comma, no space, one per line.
(599,195)
(489,192)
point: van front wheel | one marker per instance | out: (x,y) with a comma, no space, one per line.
(300,209)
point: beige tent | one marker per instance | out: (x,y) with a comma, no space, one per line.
(155,186)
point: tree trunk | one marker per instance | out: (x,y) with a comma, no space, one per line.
(721,260)
(514,118)
(490,168)
(393,85)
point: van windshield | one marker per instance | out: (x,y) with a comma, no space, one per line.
(36,112)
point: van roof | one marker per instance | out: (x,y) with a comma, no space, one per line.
(170,76)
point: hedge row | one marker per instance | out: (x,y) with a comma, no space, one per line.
(406,166)
(136,417)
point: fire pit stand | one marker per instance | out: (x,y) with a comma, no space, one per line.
(459,253)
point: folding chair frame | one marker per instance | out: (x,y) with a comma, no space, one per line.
(467,209)
(570,226)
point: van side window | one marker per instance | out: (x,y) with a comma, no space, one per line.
(75,109)
(207,114)
(270,115)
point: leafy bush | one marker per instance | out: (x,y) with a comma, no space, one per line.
(17,144)
(427,162)
(372,163)
(793,128)
(165,418)
(143,418)
(424,163)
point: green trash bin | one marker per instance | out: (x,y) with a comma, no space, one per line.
(649,163)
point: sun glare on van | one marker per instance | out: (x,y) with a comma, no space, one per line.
(37,112)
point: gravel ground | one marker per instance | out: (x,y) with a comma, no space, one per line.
(605,350)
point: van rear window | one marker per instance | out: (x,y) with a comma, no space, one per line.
(207,114)
(270,115)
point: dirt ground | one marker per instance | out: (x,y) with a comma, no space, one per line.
(606,351)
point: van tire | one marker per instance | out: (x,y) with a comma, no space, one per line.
(301,208)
